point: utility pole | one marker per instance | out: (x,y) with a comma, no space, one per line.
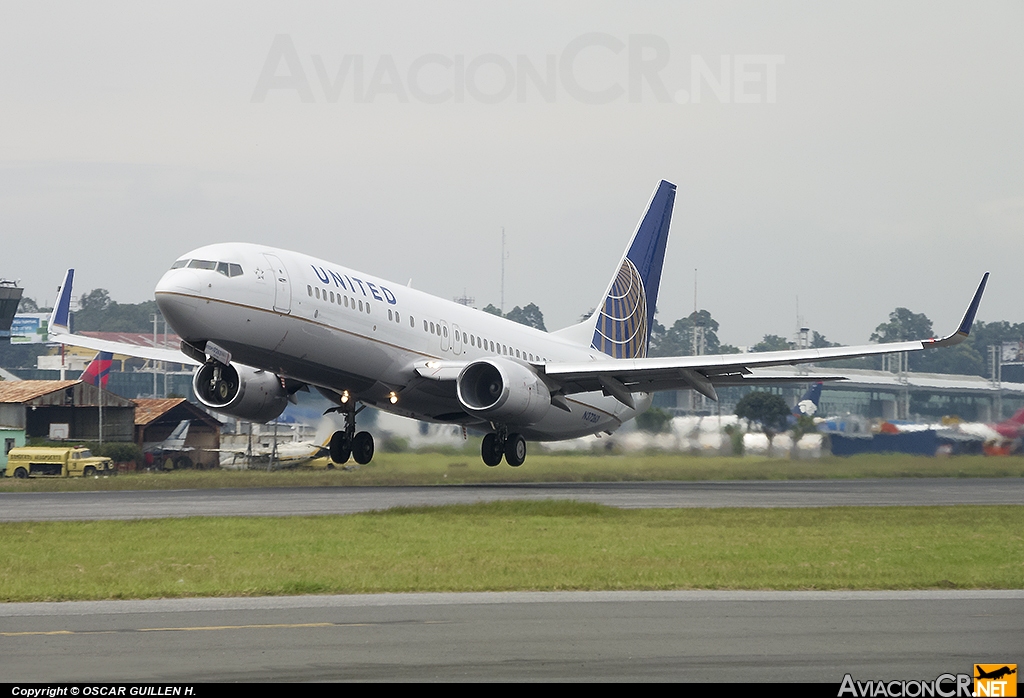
(99,389)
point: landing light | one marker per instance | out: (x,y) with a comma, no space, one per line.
(392,397)
(344,397)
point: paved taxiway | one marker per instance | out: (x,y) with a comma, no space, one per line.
(58,506)
(574,636)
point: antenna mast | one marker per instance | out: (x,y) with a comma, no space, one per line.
(502,270)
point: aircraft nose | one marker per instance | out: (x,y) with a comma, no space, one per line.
(177,297)
(179,281)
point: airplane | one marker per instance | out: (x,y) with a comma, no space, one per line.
(262,323)
(98,371)
(1012,428)
(807,405)
(175,441)
(995,673)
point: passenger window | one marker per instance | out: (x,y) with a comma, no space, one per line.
(332,296)
(317,292)
(444,330)
(360,306)
(390,316)
(398,318)
(309,290)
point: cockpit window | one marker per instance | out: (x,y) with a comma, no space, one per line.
(226,268)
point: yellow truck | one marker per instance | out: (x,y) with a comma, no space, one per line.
(40,461)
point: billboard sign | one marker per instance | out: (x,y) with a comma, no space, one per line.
(1012,352)
(30,328)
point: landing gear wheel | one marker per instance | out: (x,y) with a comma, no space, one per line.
(490,450)
(362,447)
(515,450)
(340,448)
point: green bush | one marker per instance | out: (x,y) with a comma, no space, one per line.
(120,452)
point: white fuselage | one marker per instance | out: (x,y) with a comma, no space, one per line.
(342,330)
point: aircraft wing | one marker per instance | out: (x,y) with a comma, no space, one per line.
(621,377)
(59,332)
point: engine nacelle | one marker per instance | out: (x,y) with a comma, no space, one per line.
(241,391)
(503,391)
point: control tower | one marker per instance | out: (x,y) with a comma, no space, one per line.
(10,297)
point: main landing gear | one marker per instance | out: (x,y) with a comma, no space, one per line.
(348,443)
(501,443)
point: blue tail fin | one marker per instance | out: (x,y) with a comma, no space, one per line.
(60,320)
(625,317)
(808,404)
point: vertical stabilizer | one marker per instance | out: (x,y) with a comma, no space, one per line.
(98,370)
(60,318)
(623,320)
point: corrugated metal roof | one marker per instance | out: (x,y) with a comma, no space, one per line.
(23,391)
(150,409)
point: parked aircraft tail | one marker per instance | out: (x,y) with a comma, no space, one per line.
(98,370)
(808,403)
(60,316)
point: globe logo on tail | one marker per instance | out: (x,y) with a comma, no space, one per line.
(622,323)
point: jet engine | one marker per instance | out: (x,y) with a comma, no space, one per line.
(503,391)
(241,391)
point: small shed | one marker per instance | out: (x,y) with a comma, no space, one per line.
(36,405)
(9,438)
(155,419)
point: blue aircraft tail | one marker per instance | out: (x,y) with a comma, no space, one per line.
(623,320)
(60,318)
(808,404)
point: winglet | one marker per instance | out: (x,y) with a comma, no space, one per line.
(964,330)
(60,317)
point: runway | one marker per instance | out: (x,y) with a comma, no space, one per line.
(708,636)
(69,506)
(572,636)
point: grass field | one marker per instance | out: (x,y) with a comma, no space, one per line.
(458,468)
(516,546)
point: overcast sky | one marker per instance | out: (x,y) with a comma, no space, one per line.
(858,157)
